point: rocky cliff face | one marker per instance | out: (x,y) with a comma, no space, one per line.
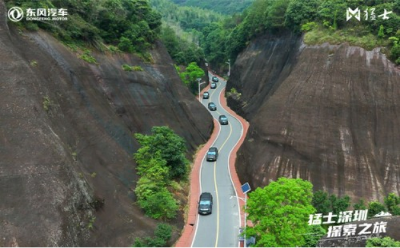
(66,139)
(328,114)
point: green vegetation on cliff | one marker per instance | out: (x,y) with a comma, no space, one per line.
(321,20)
(182,30)
(222,6)
(160,159)
(129,24)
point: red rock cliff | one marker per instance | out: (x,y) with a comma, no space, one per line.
(328,114)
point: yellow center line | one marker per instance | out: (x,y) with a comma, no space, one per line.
(215,184)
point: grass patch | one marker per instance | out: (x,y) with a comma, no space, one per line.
(33,63)
(354,36)
(46,103)
(87,56)
(113,49)
(126,67)
(234,93)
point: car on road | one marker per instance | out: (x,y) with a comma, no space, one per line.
(212,154)
(206,95)
(213,85)
(212,106)
(214,79)
(223,120)
(205,203)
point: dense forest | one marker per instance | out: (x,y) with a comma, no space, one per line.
(322,20)
(222,6)
(127,25)
(224,37)
(181,30)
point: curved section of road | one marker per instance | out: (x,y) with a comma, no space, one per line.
(221,228)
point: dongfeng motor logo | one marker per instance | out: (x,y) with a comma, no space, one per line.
(15,14)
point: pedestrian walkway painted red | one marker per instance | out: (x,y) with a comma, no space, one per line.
(189,229)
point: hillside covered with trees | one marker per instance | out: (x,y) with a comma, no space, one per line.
(322,20)
(222,6)
(129,25)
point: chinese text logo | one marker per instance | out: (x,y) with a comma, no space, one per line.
(369,14)
(347,229)
(16,14)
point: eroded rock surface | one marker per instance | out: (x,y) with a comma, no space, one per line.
(66,139)
(328,114)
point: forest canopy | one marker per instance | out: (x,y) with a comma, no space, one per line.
(132,25)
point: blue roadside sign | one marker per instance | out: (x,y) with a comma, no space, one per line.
(246,188)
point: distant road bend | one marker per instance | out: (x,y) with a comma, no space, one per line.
(221,228)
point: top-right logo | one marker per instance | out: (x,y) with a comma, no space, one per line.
(369,14)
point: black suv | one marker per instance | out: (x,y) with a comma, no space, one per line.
(212,106)
(205,203)
(213,85)
(212,154)
(214,79)
(223,120)
(206,95)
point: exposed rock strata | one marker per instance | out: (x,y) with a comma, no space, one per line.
(328,114)
(58,165)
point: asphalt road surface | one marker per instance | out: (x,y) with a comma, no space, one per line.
(221,228)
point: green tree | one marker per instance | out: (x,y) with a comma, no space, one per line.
(382,242)
(381,33)
(162,235)
(375,208)
(339,204)
(321,202)
(169,145)
(360,205)
(193,72)
(159,205)
(313,235)
(391,201)
(280,212)
(300,12)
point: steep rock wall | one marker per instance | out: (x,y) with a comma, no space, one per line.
(58,166)
(328,114)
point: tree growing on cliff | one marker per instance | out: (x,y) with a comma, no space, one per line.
(392,201)
(280,212)
(190,75)
(375,208)
(325,203)
(169,145)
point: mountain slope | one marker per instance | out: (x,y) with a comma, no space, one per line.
(223,6)
(328,114)
(67,174)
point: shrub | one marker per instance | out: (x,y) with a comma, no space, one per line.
(375,208)
(162,234)
(382,242)
(126,67)
(159,205)
(170,146)
(46,103)
(87,56)
(308,26)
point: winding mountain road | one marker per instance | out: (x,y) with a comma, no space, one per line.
(221,228)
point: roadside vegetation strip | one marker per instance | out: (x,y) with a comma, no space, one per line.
(232,159)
